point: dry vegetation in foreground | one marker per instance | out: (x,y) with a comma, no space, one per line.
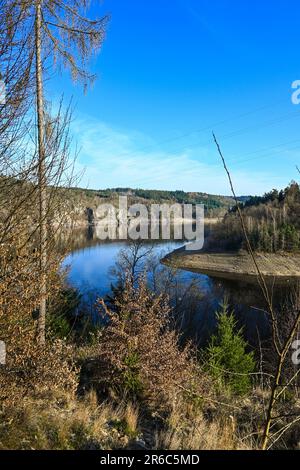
(59,421)
(133,387)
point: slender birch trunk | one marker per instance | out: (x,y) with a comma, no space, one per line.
(41,176)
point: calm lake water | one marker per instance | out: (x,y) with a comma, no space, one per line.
(90,266)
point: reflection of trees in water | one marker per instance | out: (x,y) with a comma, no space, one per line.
(184,292)
(250,308)
(77,239)
(80,238)
(84,237)
(195,298)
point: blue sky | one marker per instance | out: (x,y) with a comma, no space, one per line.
(169,73)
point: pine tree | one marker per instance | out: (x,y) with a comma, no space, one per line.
(226,356)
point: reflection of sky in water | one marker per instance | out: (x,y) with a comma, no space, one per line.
(89,268)
(90,272)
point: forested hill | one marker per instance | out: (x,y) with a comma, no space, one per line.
(272,222)
(83,202)
(215,205)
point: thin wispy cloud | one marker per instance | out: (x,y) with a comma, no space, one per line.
(197,15)
(114,158)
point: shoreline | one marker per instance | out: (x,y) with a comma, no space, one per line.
(237,266)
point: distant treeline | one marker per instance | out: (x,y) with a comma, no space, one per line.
(272,222)
(82,199)
(215,205)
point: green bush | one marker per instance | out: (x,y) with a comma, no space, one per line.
(68,319)
(132,380)
(226,357)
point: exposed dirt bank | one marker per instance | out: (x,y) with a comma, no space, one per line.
(237,265)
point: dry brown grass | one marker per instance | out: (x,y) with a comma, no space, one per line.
(132,418)
(187,428)
(61,422)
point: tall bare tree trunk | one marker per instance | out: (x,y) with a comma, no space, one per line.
(41,176)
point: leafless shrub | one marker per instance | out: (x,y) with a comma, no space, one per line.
(29,369)
(37,372)
(138,352)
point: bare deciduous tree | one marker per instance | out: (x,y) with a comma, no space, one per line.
(43,33)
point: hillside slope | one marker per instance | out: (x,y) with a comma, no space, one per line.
(86,201)
(272,222)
